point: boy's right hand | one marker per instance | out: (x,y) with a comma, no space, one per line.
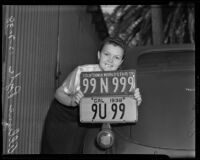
(76,98)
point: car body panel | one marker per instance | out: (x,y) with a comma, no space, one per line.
(166,117)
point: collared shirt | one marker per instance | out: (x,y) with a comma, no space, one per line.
(72,82)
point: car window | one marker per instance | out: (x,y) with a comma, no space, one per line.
(169,59)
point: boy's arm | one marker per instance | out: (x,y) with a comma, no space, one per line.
(64,98)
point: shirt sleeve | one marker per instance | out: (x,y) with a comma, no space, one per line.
(70,83)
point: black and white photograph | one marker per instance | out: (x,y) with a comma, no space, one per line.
(99,79)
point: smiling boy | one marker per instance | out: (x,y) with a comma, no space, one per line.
(62,133)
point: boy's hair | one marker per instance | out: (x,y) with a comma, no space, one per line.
(115,41)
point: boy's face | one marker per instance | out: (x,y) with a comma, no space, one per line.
(110,57)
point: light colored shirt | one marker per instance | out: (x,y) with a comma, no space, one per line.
(72,82)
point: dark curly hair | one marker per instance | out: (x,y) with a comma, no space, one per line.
(115,41)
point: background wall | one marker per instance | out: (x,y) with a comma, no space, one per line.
(38,43)
(78,39)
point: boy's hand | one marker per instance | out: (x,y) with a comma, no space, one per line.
(76,98)
(137,96)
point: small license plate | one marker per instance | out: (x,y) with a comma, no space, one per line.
(108,110)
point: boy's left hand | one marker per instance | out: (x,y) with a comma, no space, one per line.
(137,96)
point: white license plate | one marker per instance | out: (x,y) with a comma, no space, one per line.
(108,110)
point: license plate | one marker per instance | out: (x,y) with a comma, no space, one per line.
(108,83)
(108,110)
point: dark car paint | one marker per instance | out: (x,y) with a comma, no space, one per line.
(166,123)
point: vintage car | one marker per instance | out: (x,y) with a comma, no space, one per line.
(165,75)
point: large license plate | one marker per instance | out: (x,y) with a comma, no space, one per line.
(108,110)
(108,83)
